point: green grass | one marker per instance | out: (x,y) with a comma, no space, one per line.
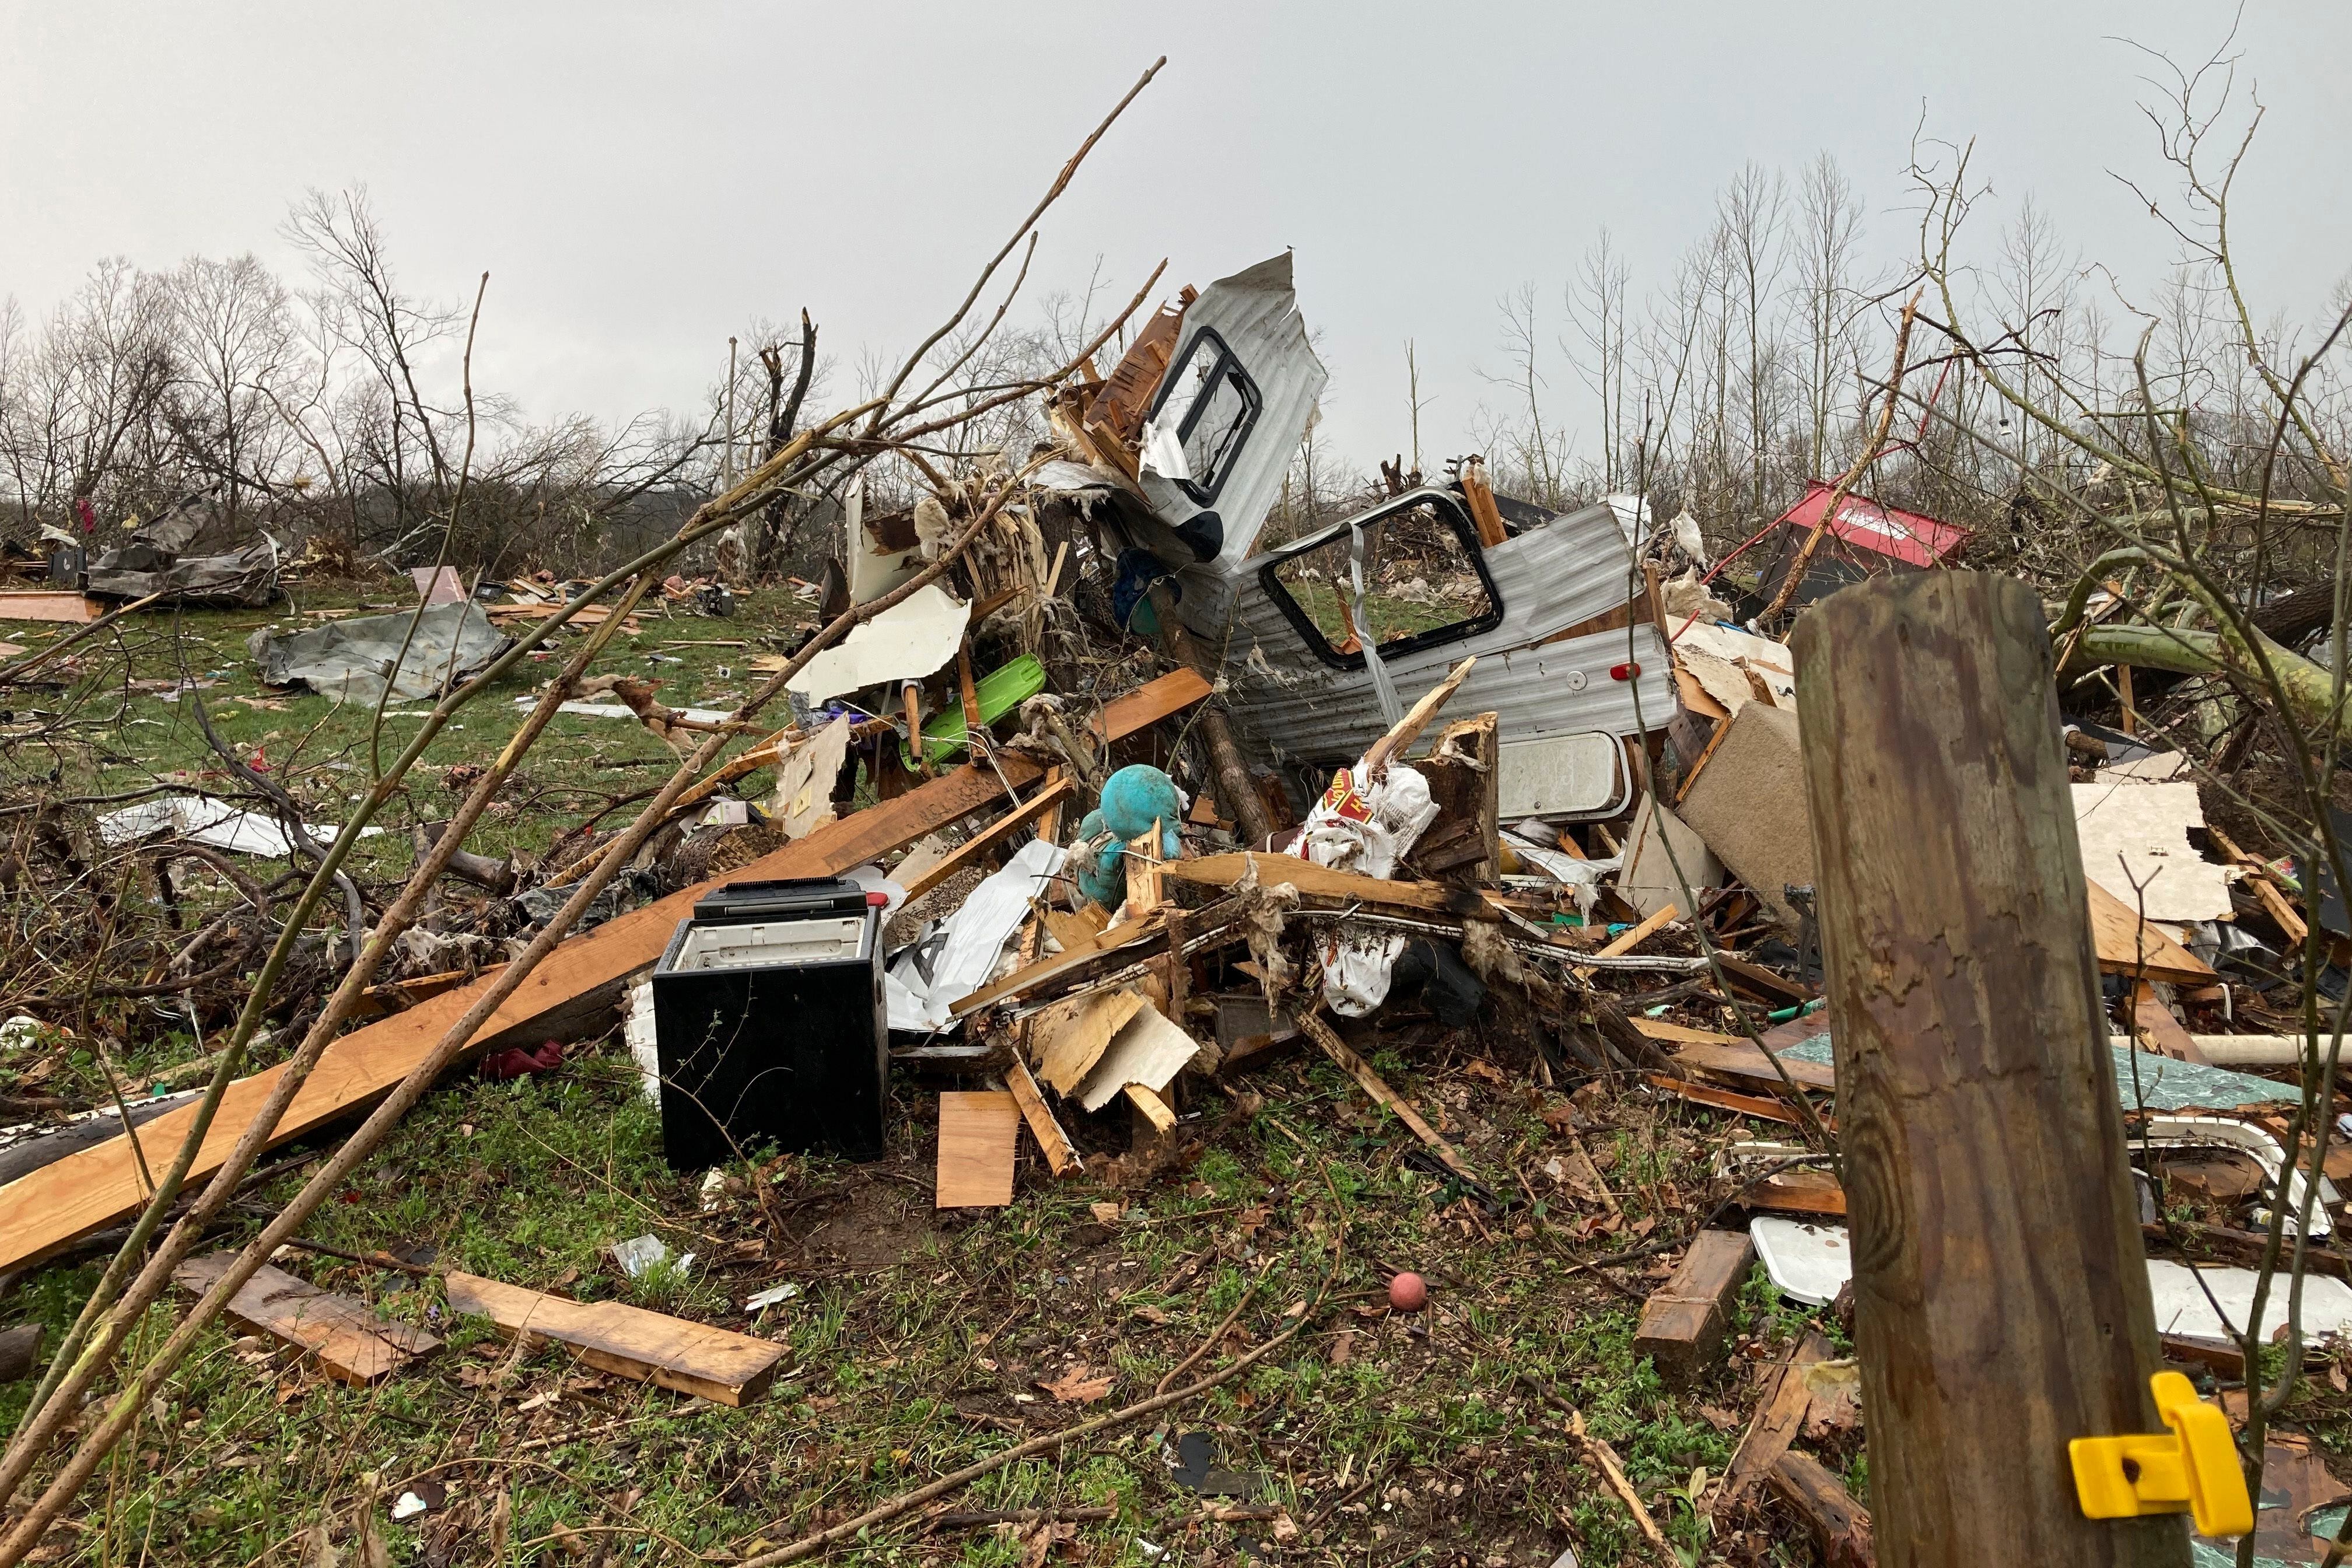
(118,737)
(920,1339)
(893,1356)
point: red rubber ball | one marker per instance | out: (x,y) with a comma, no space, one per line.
(1408,1292)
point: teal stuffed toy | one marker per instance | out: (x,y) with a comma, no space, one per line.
(1132,800)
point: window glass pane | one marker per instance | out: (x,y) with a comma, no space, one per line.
(1209,406)
(1318,584)
(1221,416)
(1418,578)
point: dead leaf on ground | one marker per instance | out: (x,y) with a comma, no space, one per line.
(1836,1388)
(1037,1542)
(1081,1385)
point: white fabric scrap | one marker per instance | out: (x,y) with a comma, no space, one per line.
(1366,829)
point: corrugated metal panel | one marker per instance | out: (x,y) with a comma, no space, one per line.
(1297,707)
(1256,314)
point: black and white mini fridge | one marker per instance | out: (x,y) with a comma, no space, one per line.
(769,1024)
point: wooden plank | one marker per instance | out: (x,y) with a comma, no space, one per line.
(1145,881)
(2267,890)
(1057,788)
(1779,1416)
(1684,1321)
(722,1366)
(1060,1153)
(349,1340)
(98,1186)
(1839,1526)
(1977,1092)
(1626,941)
(1152,1104)
(977,1133)
(1762,982)
(2154,1028)
(1724,1100)
(1324,882)
(1742,1060)
(1659,1029)
(35,604)
(2129,945)
(1690,774)
(1374,1085)
(1796,1192)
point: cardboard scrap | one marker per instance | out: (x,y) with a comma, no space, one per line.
(1148,1050)
(1749,804)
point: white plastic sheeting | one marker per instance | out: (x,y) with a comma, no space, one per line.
(976,935)
(1809,1263)
(216,824)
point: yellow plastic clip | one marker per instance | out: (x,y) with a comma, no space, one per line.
(2193,1467)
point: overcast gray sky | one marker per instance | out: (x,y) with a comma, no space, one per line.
(640,180)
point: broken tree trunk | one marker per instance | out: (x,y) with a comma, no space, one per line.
(2002,1297)
(1236,790)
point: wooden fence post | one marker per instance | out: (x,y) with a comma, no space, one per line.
(2000,1289)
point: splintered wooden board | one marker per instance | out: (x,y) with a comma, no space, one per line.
(1742,1060)
(92,1188)
(1075,1033)
(352,1344)
(2129,945)
(627,1341)
(977,1131)
(21,604)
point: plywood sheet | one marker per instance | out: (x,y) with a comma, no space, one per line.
(32,604)
(1076,1033)
(977,1131)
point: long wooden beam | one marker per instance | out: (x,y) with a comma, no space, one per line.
(49,1209)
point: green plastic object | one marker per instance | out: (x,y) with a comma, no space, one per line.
(1000,692)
